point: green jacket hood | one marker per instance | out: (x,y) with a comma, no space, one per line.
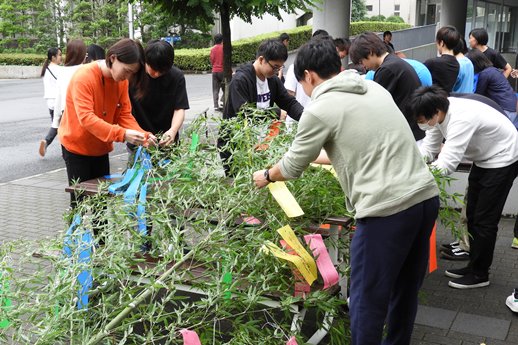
(347,81)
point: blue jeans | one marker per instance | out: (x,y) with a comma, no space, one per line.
(389,257)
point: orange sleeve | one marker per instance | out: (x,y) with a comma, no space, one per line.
(84,94)
(125,118)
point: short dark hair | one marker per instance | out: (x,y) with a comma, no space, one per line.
(284,36)
(320,32)
(319,56)
(427,100)
(218,38)
(272,50)
(480,60)
(95,52)
(387,33)
(365,44)
(449,35)
(343,44)
(461,47)
(480,34)
(159,55)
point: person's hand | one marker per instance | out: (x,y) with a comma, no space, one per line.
(151,141)
(260,180)
(135,137)
(167,138)
(283,116)
(514,73)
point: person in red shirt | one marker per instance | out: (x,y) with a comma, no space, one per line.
(216,60)
(98,112)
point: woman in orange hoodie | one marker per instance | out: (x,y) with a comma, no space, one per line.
(98,112)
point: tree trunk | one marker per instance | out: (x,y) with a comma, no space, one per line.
(227,45)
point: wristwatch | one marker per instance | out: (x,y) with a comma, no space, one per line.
(267,175)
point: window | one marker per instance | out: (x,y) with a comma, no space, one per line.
(397,11)
(369,8)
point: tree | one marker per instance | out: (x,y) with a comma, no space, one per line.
(358,10)
(205,10)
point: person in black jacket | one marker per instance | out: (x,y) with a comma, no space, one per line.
(257,84)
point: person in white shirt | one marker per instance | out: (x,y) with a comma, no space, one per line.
(50,73)
(295,89)
(484,136)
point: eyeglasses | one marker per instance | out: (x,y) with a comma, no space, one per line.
(275,68)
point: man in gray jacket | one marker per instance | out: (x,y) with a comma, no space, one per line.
(385,181)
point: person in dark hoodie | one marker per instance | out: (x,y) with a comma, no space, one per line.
(257,84)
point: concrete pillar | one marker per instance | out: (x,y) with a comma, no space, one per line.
(454,12)
(334,16)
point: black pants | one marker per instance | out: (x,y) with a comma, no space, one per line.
(82,168)
(217,84)
(487,192)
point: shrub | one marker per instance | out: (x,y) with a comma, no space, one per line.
(395,19)
(243,50)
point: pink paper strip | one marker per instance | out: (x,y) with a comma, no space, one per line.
(324,264)
(292,341)
(190,337)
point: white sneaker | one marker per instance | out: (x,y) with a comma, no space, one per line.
(512,301)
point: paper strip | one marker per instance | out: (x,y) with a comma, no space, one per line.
(301,287)
(5,303)
(432,263)
(324,263)
(289,236)
(294,259)
(292,341)
(286,200)
(190,337)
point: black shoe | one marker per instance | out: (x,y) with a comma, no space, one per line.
(456,254)
(450,246)
(458,272)
(469,281)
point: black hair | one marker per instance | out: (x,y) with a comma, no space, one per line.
(320,32)
(218,38)
(272,50)
(343,44)
(480,34)
(365,44)
(461,47)
(51,52)
(480,60)
(76,52)
(159,55)
(427,100)
(387,33)
(129,51)
(449,35)
(284,36)
(319,56)
(94,52)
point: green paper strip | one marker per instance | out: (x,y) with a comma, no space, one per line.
(226,283)
(5,303)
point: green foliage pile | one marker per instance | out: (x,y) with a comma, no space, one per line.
(192,208)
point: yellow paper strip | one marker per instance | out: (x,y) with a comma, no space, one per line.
(294,259)
(327,167)
(286,200)
(289,236)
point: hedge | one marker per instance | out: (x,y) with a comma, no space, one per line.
(242,50)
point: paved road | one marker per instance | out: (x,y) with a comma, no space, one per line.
(24,121)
